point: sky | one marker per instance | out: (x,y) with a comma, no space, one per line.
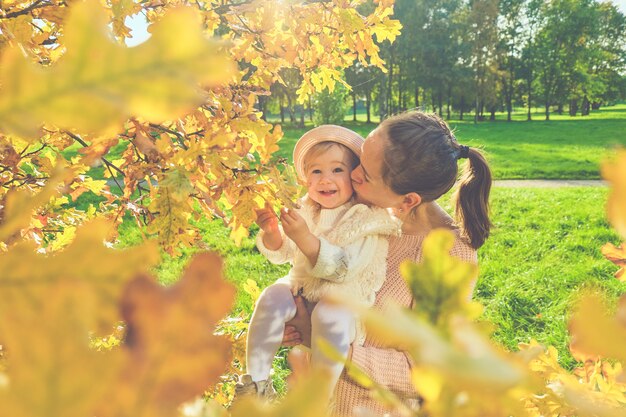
(138,25)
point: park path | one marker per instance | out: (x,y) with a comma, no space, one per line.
(548,183)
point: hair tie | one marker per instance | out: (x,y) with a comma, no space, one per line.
(463,152)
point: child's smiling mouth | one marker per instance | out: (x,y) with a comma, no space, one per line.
(327,193)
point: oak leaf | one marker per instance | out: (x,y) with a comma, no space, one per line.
(171,353)
(49,306)
(595,333)
(441,284)
(98,83)
(615,173)
(617,255)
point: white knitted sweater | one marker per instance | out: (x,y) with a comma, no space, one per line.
(353,250)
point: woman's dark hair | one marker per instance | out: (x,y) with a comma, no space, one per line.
(422,157)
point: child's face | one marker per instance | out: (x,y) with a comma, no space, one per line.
(328,178)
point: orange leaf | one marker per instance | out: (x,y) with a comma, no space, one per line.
(595,333)
(172,353)
(615,173)
(617,255)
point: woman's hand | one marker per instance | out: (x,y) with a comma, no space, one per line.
(298,329)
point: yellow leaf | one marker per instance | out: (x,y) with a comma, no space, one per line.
(98,83)
(388,30)
(617,255)
(252,289)
(305,399)
(19,206)
(595,333)
(441,284)
(615,173)
(238,233)
(428,383)
(48,306)
(172,353)
(20,28)
(63,239)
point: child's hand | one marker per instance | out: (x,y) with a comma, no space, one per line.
(294,225)
(267,219)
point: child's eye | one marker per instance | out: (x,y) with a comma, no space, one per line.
(338,170)
(316,171)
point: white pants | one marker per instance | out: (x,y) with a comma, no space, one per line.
(274,308)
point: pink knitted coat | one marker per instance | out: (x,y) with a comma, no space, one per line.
(389,367)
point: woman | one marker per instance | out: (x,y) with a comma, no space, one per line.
(407,163)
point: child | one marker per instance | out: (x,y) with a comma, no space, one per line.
(335,247)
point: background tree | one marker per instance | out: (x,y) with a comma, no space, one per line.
(330,107)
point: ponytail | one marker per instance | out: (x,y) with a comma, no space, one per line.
(472,199)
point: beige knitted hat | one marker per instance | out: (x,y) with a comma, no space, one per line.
(325,133)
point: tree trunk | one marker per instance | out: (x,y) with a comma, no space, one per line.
(353,106)
(292,115)
(440,102)
(417,97)
(301,125)
(529,82)
(559,108)
(368,103)
(390,85)
(462,108)
(584,111)
(573,107)
(547,110)
(448,105)
(492,115)
(400,90)
(282,111)
(310,110)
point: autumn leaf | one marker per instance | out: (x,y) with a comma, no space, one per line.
(615,173)
(595,333)
(171,353)
(441,284)
(19,206)
(305,398)
(98,83)
(617,255)
(49,305)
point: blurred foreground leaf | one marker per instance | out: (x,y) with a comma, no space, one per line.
(98,83)
(615,173)
(52,305)
(596,333)
(441,284)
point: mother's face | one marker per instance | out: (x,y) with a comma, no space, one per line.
(367,178)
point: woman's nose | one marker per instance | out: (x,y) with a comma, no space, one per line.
(355,175)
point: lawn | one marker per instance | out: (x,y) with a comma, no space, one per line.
(531,267)
(562,148)
(545,245)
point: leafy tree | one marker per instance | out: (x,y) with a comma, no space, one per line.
(168,150)
(330,107)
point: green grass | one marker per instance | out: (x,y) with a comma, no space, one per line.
(544,248)
(562,148)
(545,245)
